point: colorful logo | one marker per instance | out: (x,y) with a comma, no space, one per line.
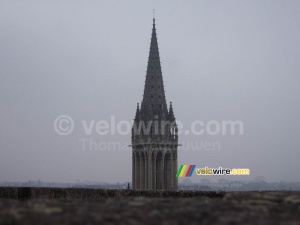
(185,170)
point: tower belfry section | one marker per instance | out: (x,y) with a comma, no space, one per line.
(154,132)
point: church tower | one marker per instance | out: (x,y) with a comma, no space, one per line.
(154,132)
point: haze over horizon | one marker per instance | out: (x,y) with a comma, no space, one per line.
(221,61)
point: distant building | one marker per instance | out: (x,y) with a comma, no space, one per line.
(154,133)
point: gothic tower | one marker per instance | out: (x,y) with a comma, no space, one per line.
(154,132)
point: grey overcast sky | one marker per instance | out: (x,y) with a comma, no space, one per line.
(221,60)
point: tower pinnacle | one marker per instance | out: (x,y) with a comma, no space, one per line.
(154,95)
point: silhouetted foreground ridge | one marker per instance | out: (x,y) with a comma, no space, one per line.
(87,193)
(97,206)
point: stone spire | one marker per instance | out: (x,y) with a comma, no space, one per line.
(154,146)
(154,100)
